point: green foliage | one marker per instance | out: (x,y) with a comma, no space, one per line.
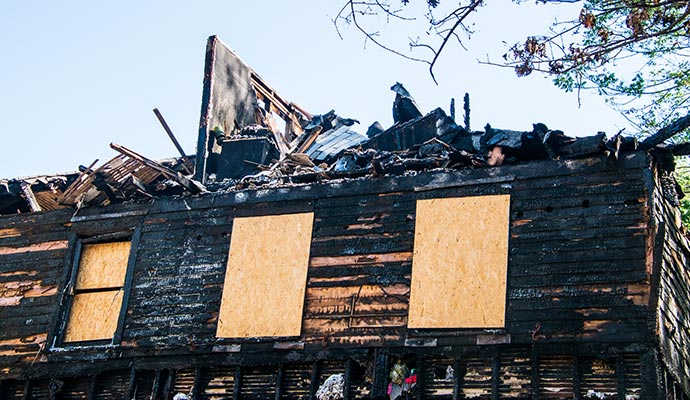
(636,53)
(633,52)
(683,178)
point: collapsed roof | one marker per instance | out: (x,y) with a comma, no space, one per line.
(251,137)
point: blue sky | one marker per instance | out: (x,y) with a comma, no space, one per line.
(77,75)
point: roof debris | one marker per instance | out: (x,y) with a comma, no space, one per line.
(251,150)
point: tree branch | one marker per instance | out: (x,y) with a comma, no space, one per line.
(469,9)
(666,132)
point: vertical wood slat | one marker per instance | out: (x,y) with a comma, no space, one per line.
(156,384)
(315,373)
(348,378)
(381,364)
(132,383)
(458,377)
(27,390)
(577,374)
(620,376)
(196,389)
(421,377)
(168,386)
(237,389)
(536,387)
(92,387)
(495,375)
(129,275)
(279,382)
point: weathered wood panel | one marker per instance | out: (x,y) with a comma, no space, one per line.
(93,316)
(102,265)
(263,291)
(460,262)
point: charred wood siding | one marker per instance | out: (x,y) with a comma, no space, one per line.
(578,279)
(673,310)
(32,253)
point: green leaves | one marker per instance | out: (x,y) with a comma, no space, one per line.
(633,52)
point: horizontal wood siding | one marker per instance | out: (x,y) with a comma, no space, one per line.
(673,311)
(32,253)
(577,276)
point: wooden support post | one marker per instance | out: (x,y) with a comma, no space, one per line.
(27,390)
(131,389)
(577,389)
(279,381)
(92,388)
(381,365)
(156,385)
(534,360)
(54,388)
(167,385)
(620,376)
(315,373)
(458,379)
(237,387)
(421,377)
(347,390)
(196,393)
(650,375)
(495,375)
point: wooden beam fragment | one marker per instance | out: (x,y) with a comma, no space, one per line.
(79,186)
(29,196)
(189,184)
(187,162)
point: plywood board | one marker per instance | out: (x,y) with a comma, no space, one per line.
(93,316)
(459,265)
(102,265)
(265,281)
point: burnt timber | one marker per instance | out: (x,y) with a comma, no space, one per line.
(597,296)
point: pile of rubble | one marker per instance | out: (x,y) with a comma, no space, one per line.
(314,148)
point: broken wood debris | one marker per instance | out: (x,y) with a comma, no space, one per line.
(188,166)
(242,146)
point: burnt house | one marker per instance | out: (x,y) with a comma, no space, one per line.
(295,258)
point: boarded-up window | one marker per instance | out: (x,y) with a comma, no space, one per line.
(460,263)
(98,292)
(265,280)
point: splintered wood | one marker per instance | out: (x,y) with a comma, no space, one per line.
(460,263)
(265,281)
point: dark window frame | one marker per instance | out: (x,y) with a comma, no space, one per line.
(72,261)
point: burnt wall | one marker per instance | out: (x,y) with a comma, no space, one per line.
(32,254)
(578,269)
(673,309)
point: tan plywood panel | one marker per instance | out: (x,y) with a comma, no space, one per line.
(93,316)
(102,265)
(263,293)
(459,265)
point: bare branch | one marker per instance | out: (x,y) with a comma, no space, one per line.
(666,132)
(468,10)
